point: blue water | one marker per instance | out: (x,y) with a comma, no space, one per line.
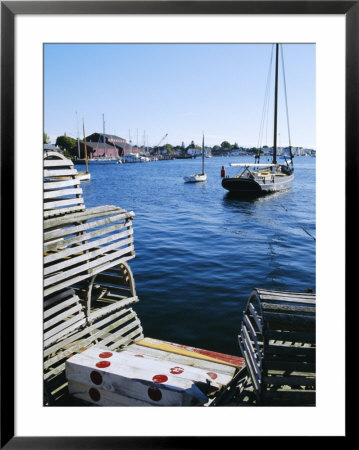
(199,253)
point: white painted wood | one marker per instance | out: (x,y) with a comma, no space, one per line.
(81,391)
(132,376)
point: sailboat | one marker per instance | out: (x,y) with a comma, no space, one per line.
(84,176)
(260,179)
(198,177)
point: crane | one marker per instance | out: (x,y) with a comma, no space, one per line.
(164,137)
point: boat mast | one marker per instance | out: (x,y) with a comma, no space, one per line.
(104,139)
(203,155)
(83,126)
(275,106)
(78,137)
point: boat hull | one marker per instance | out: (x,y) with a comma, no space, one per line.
(195,178)
(248,186)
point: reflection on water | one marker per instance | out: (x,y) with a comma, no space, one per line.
(200,251)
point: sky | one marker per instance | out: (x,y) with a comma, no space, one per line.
(145,91)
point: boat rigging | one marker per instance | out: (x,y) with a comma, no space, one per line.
(260,179)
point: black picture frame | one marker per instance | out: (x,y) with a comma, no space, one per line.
(9,9)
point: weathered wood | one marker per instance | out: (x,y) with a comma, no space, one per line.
(288,365)
(255,316)
(76,279)
(285,345)
(57,163)
(177,358)
(59,173)
(57,212)
(289,322)
(60,203)
(290,336)
(289,398)
(283,296)
(134,377)
(220,358)
(287,308)
(289,380)
(55,185)
(61,193)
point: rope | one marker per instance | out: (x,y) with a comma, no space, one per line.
(306,231)
(286,101)
(264,117)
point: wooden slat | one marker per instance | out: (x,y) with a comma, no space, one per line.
(292,336)
(66,328)
(56,212)
(88,214)
(59,317)
(255,316)
(68,231)
(220,358)
(68,262)
(288,397)
(289,351)
(178,359)
(88,265)
(58,245)
(288,380)
(287,308)
(62,193)
(303,297)
(93,244)
(60,203)
(56,184)
(288,365)
(59,173)
(72,281)
(253,334)
(111,308)
(289,322)
(93,333)
(58,163)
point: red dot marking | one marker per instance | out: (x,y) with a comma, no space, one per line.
(139,356)
(155,394)
(96,377)
(103,364)
(212,375)
(105,355)
(160,378)
(176,370)
(94,394)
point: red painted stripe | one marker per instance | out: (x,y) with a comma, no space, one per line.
(238,361)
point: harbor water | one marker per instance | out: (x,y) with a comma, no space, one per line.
(199,252)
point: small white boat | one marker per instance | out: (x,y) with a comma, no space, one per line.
(198,177)
(83,176)
(195,178)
